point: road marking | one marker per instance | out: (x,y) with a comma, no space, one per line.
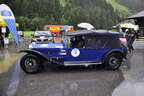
(14,82)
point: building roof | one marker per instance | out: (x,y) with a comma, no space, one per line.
(138,15)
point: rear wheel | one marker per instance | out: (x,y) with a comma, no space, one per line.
(30,64)
(113,61)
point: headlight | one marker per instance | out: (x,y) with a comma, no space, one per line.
(30,46)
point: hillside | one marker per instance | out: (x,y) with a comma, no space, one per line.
(100,13)
(36,13)
(134,5)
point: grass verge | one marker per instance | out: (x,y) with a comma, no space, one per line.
(26,34)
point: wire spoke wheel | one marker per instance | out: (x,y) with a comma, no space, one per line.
(114,61)
(30,63)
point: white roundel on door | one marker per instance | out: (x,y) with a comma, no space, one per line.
(75,52)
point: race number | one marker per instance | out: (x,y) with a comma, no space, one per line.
(75,52)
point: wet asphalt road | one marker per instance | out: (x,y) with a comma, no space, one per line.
(133,85)
(73,81)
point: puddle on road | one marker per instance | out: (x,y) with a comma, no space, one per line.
(14,82)
(129,88)
(6,61)
(134,78)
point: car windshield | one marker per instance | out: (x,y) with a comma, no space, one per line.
(42,33)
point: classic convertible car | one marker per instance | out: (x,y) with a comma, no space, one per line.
(79,48)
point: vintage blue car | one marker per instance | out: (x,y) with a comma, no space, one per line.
(84,47)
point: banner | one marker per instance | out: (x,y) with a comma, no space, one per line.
(8,17)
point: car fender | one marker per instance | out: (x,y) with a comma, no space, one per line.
(110,52)
(29,51)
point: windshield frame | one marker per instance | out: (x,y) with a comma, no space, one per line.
(42,33)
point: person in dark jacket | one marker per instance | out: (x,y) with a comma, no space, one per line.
(130,36)
(77,42)
(81,42)
(1,39)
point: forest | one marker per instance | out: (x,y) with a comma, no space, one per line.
(103,14)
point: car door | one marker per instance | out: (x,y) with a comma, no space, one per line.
(82,55)
(72,54)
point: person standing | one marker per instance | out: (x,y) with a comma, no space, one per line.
(6,39)
(61,33)
(6,42)
(1,39)
(130,36)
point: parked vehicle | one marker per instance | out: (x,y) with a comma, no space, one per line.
(81,48)
(56,29)
(42,37)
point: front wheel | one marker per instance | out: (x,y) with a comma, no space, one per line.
(113,61)
(30,63)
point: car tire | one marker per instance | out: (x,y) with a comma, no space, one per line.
(30,63)
(113,61)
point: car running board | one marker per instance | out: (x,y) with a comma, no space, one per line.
(81,63)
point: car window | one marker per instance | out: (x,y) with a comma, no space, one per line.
(94,43)
(102,42)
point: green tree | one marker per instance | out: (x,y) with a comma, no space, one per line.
(24,22)
(37,22)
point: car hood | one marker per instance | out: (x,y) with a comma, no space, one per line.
(41,36)
(50,45)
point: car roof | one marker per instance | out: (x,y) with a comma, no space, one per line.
(92,32)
